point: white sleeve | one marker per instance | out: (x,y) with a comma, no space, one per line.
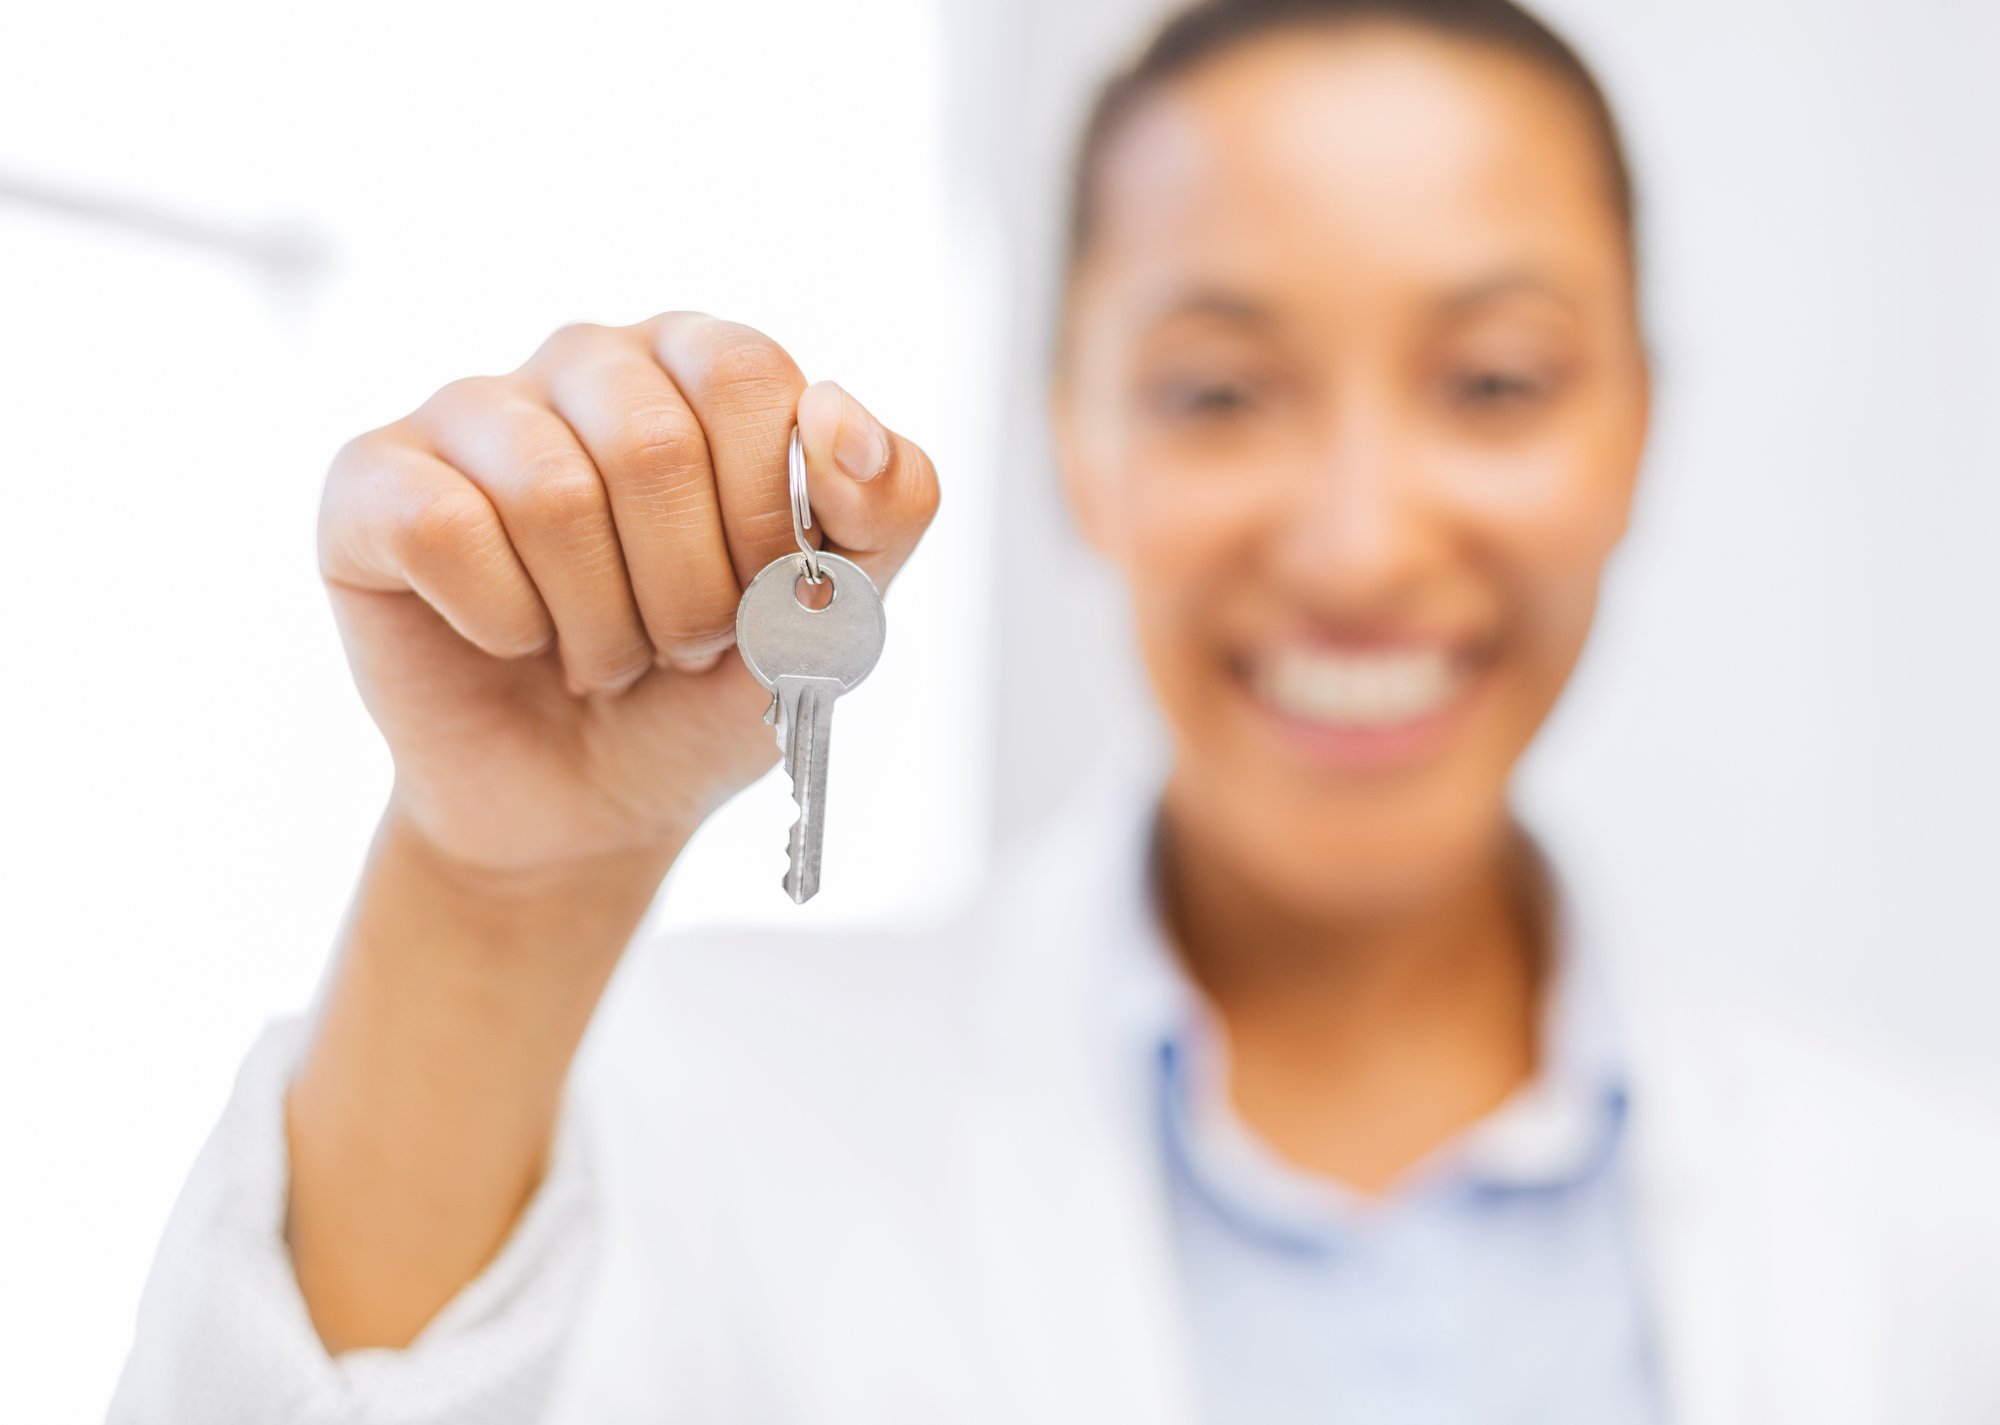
(223,1335)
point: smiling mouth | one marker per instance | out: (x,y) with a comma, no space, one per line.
(1365,709)
(1359,690)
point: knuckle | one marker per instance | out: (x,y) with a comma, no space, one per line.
(445,529)
(660,438)
(557,492)
(747,368)
(469,397)
(358,502)
(362,453)
(571,341)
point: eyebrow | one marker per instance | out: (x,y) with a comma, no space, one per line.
(1507,282)
(1239,310)
(1215,302)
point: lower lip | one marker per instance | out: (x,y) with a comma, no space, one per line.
(1370,749)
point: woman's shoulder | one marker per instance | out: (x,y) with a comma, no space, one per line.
(1828,1120)
(1813,1066)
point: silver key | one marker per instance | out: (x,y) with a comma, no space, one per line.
(807,658)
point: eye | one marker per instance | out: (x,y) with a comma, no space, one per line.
(1201,399)
(1496,389)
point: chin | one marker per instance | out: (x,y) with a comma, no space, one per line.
(1348,788)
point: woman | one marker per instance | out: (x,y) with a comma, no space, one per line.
(1290,1087)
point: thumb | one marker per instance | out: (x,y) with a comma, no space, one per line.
(873,492)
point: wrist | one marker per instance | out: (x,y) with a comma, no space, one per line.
(589,885)
(437,947)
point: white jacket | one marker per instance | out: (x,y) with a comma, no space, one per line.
(880,1179)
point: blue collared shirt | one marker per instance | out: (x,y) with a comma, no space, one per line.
(1496,1282)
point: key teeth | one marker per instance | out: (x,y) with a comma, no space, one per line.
(799,709)
(791,881)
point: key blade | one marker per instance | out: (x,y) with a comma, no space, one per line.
(805,727)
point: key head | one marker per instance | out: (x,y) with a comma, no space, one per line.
(780,637)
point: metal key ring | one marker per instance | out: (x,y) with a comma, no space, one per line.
(802,514)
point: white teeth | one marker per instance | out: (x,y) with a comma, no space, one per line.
(1357,689)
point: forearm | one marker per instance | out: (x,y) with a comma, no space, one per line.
(421,1116)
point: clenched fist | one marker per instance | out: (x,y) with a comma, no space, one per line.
(536,578)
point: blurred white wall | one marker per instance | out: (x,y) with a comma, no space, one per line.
(190,781)
(1781,751)
(1781,758)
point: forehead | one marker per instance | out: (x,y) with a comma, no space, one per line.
(1376,160)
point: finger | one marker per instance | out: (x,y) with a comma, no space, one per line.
(557,515)
(873,491)
(744,389)
(397,519)
(650,451)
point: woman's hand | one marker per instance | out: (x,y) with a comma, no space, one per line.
(536,576)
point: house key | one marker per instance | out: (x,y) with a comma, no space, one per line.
(808,657)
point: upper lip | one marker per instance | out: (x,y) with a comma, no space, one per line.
(1375,641)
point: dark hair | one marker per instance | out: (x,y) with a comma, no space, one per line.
(1209,28)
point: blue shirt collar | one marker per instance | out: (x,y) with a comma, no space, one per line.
(1558,1129)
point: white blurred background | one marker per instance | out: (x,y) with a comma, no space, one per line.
(232,235)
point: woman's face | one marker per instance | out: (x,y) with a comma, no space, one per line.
(1354,393)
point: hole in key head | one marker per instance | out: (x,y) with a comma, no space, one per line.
(813,596)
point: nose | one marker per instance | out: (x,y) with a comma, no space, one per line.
(1354,537)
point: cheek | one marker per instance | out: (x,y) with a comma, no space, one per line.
(1181,525)
(1190,546)
(1544,521)
(1191,514)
